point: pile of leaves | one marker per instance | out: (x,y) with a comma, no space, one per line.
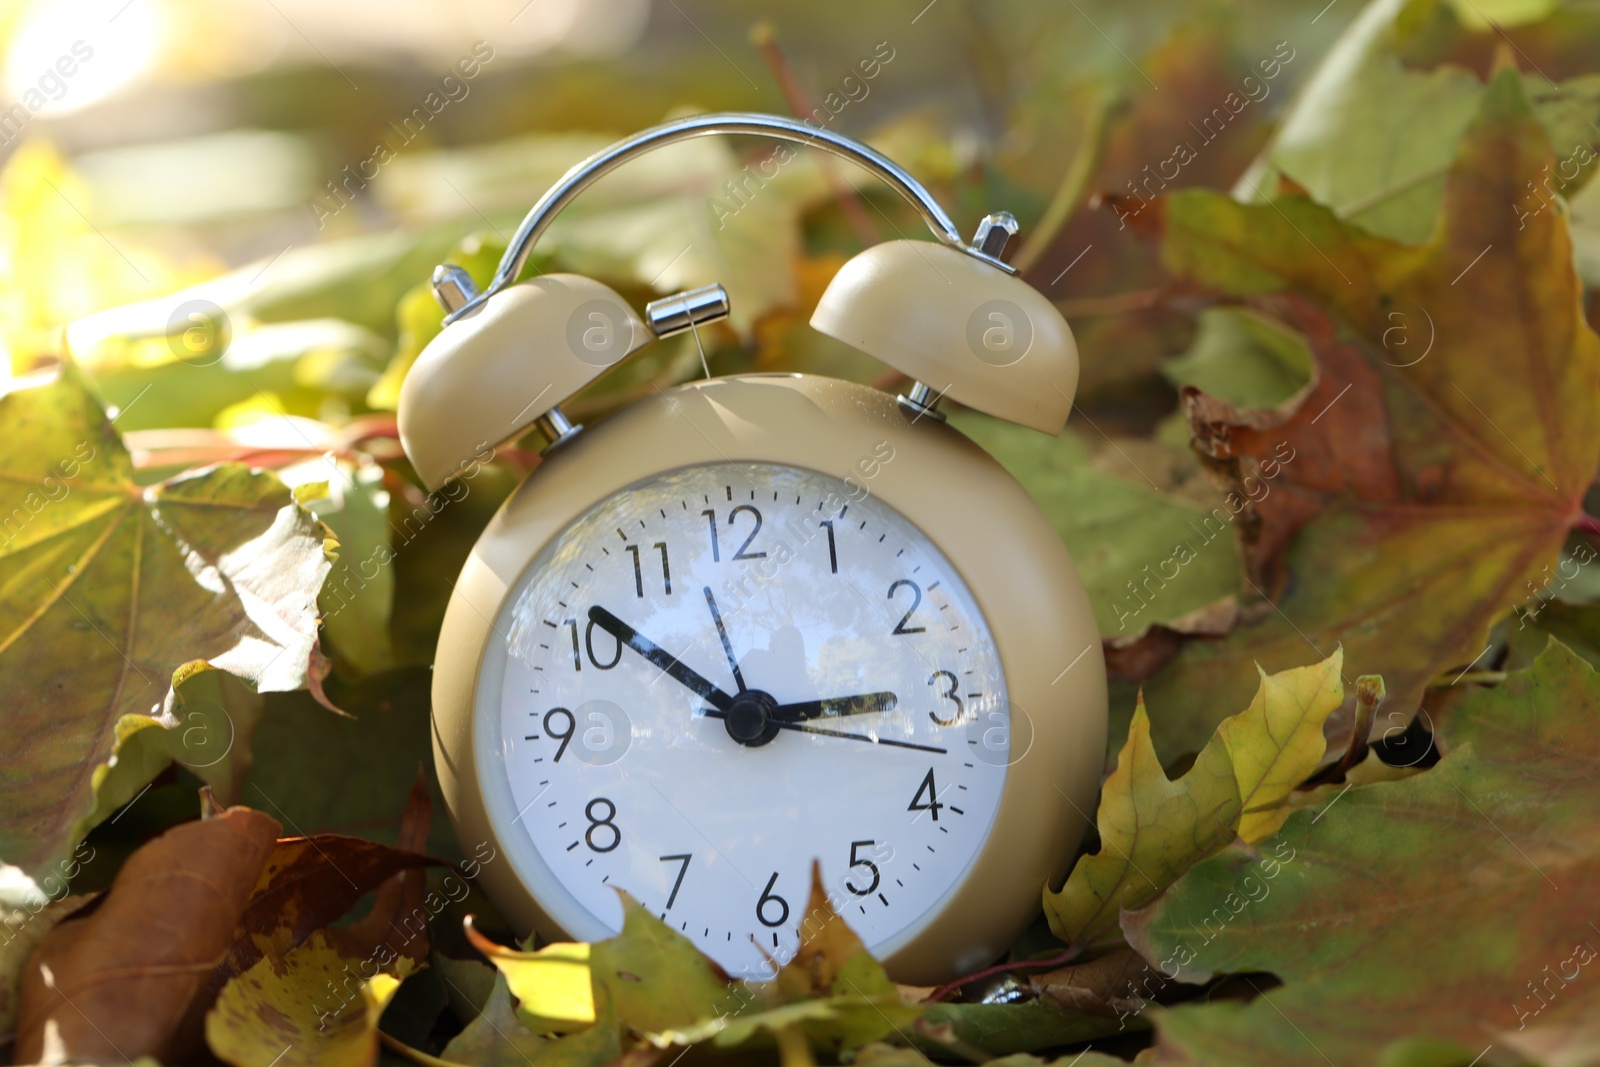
(1327,486)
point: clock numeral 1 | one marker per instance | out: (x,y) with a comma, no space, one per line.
(933,805)
(743,551)
(683,858)
(833,552)
(857,861)
(769,897)
(916,602)
(588,644)
(638,571)
(602,824)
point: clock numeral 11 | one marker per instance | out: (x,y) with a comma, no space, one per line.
(638,571)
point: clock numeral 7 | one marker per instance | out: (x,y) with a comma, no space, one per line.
(638,571)
(743,552)
(857,861)
(769,897)
(933,805)
(683,858)
(588,644)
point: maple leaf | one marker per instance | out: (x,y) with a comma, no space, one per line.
(1425,482)
(1453,905)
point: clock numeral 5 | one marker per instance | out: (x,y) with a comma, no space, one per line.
(933,805)
(916,602)
(769,897)
(638,571)
(857,861)
(603,824)
(588,644)
(743,552)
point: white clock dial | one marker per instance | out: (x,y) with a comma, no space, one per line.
(718,675)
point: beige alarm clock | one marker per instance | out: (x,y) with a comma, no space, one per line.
(759,621)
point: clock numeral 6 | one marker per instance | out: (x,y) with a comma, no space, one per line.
(743,552)
(932,791)
(603,824)
(588,644)
(857,861)
(769,897)
(950,695)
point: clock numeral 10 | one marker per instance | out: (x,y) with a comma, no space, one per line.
(768,897)
(744,549)
(638,571)
(588,644)
(933,805)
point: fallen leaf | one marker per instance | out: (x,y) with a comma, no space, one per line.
(1453,905)
(122,981)
(1112,985)
(1242,357)
(498,1036)
(25,926)
(1419,503)
(111,587)
(317,1005)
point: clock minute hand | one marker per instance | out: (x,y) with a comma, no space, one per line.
(860,704)
(670,665)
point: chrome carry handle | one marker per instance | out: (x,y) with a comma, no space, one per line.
(459,296)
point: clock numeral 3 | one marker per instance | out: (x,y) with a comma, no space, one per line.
(683,858)
(933,805)
(638,571)
(603,824)
(588,644)
(744,549)
(857,861)
(948,694)
(769,897)
(916,602)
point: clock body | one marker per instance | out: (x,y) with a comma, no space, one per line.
(756,622)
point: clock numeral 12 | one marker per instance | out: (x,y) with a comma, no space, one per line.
(933,805)
(638,572)
(833,552)
(743,551)
(684,858)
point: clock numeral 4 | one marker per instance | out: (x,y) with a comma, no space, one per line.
(857,861)
(683,858)
(744,549)
(638,571)
(604,824)
(916,602)
(932,791)
(588,646)
(769,897)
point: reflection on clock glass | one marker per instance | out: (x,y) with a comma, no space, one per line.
(721,674)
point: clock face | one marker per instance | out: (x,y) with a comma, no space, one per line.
(715,677)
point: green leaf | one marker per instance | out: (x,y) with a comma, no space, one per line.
(498,1037)
(1242,357)
(109,588)
(1447,905)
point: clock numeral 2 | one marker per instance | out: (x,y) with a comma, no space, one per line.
(916,602)
(769,897)
(683,858)
(588,644)
(933,805)
(743,551)
(857,861)
(601,824)
(638,571)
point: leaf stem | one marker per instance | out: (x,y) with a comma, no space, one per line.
(1067,956)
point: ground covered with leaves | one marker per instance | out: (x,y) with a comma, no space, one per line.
(1328,484)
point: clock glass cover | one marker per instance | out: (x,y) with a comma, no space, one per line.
(717,675)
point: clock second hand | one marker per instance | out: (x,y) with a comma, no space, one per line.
(670,665)
(806,728)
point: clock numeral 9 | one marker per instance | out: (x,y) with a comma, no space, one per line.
(638,571)
(857,861)
(743,552)
(948,694)
(916,602)
(603,824)
(588,644)
(933,805)
(769,897)
(565,736)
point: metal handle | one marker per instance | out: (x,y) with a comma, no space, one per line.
(586,173)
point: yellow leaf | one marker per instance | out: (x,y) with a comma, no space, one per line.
(1277,741)
(555,985)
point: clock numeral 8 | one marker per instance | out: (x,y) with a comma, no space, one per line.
(769,897)
(856,861)
(596,823)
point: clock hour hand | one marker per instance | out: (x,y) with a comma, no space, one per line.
(861,704)
(670,665)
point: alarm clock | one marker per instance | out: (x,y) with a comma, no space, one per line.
(758,623)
